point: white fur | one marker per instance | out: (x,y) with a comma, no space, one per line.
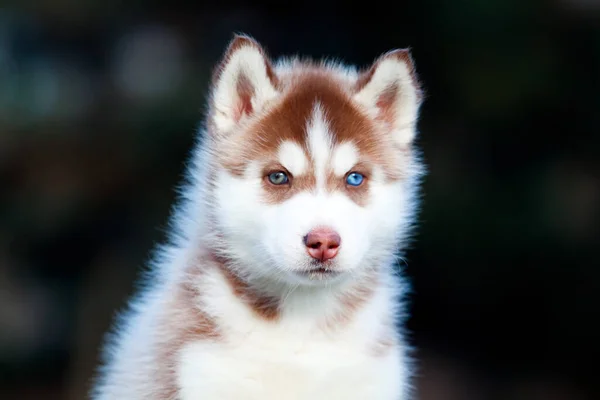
(293,359)
(319,140)
(298,356)
(293,158)
(344,158)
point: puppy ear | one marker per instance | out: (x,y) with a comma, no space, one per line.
(243,83)
(390,92)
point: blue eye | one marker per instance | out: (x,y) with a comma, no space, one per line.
(354,179)
(278,178)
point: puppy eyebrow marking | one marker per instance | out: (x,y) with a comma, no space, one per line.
(293,158)
(345,156)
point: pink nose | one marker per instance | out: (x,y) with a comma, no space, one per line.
(322,243)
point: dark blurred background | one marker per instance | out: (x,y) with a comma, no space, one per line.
(99,102)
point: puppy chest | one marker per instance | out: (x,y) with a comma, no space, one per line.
(277,370)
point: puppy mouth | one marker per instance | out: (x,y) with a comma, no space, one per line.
(319,272)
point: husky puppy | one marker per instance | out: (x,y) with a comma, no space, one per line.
(279,280)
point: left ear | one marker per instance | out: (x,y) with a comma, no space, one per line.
(391,93)
(243,84)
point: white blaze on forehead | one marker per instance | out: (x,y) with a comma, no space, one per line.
(345,157)
(293,158)
(319,142)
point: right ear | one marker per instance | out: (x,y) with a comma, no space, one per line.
(391,93)
(243,83)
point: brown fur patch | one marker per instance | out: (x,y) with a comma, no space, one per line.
(263,306)
(182,322)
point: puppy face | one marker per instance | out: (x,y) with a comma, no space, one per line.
(313,164)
